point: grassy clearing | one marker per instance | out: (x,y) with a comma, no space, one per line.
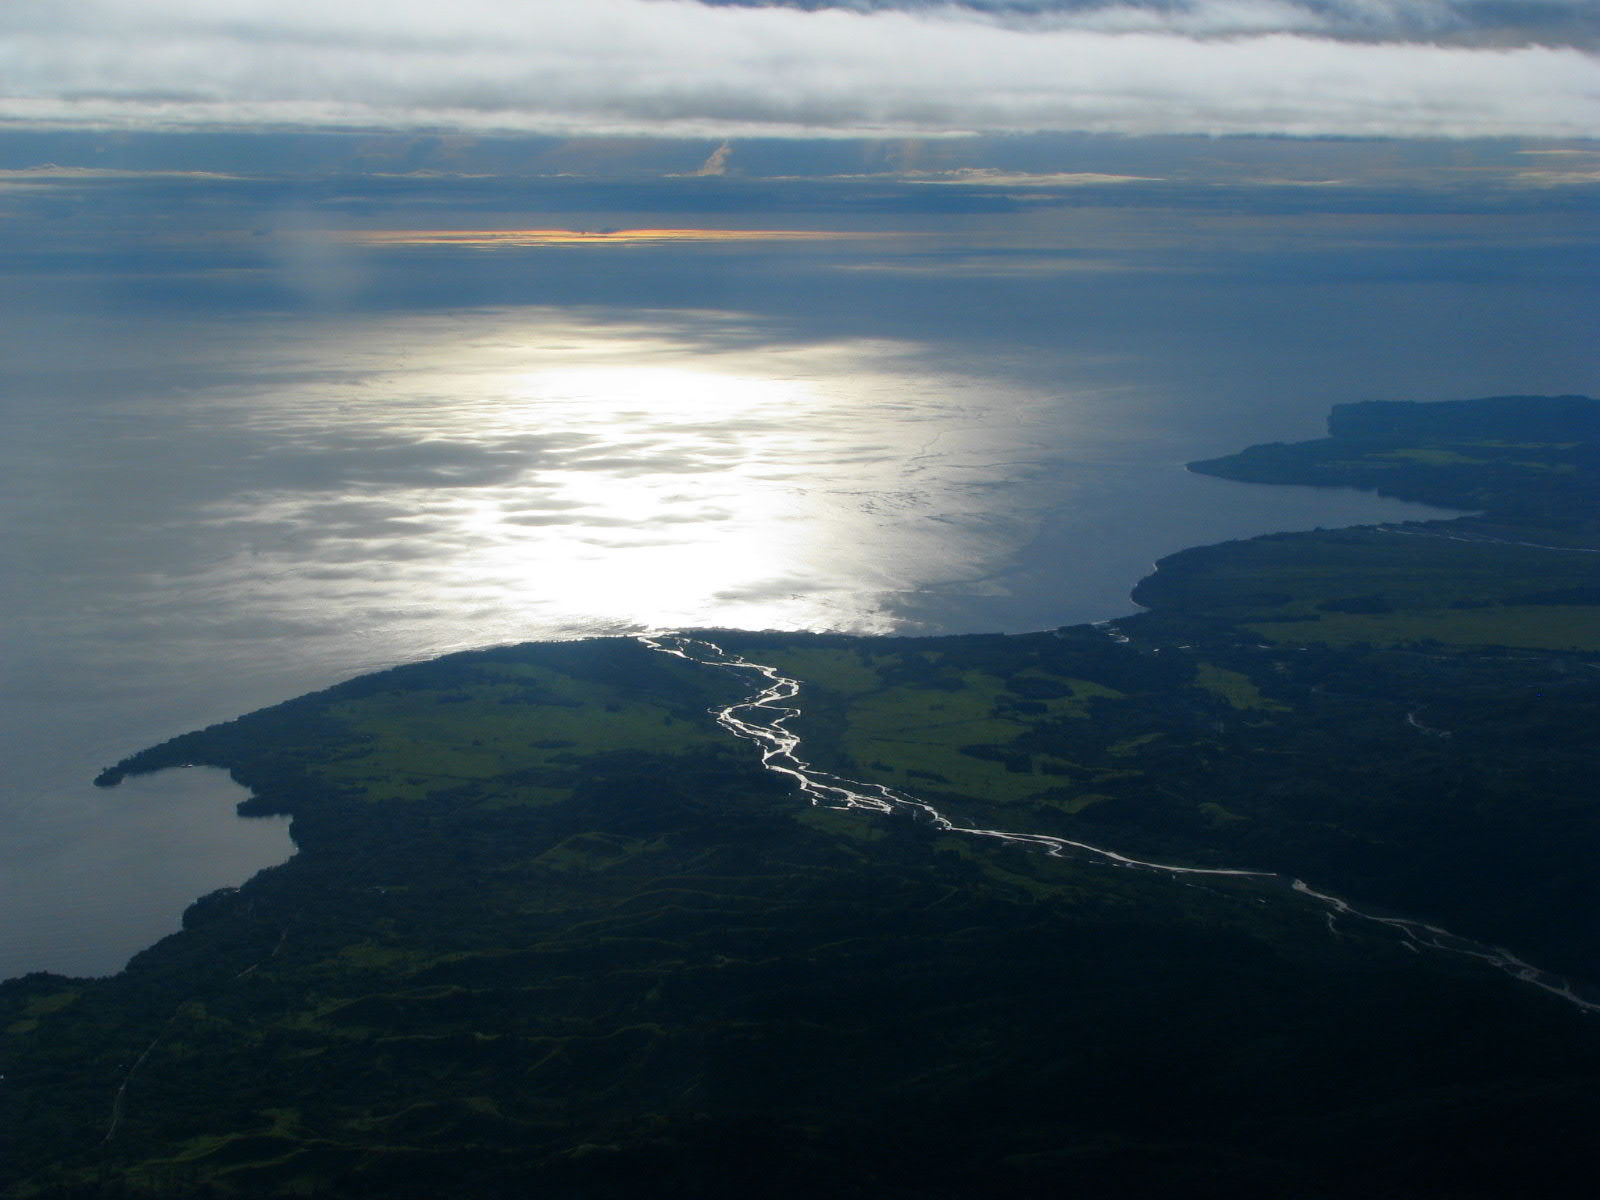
(1528,626)
(849,823)
(1432,455)
(589,852)
(1082,801)
(536,719)
(1438,456)
(370,956)
(1234,687)
(902,730)
(1312,573)
(1218,813)
(842,671)
(910,735)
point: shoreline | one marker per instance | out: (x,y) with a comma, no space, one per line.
(1141,611)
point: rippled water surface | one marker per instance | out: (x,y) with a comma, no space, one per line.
(206,518)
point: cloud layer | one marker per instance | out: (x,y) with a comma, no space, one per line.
(677,68)
(1460,21)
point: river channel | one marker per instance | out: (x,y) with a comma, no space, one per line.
(763,718)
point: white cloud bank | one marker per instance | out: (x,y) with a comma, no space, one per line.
(677,68)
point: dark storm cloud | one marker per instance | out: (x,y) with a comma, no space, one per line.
(1467,21)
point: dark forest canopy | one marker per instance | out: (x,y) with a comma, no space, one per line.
(1533,459)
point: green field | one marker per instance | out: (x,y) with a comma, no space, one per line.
(517,718)
(1535,627)
(916,735)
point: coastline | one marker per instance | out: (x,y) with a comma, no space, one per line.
(1273,464)
(544,902)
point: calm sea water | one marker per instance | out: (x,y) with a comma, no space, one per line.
(206,517)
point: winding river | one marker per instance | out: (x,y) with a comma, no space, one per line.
(763,718)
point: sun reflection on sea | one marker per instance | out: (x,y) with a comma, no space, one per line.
(550,478)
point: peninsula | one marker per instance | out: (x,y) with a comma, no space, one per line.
(552,929)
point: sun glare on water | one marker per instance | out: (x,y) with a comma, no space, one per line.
(675,395)
(681,503)
(526,474)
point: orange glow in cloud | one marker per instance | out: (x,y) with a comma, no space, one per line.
(499,239)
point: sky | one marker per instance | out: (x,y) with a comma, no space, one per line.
(654,68)
(132,127)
